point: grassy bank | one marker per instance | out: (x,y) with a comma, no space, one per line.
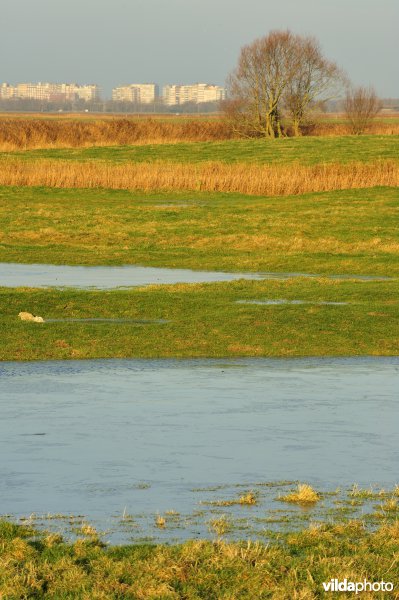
(292,567)
(352,231)
(204,321)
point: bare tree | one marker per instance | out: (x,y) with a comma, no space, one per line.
(315,81)
(361,106)
(256,87)
(279,71)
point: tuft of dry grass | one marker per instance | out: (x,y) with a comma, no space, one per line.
(220,525)
(251,179)
(305,494)
(160,522)
(389,505)
(366,494)
(248,499)
(88,530)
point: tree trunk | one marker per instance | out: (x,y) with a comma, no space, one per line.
(269,129)
(295,127)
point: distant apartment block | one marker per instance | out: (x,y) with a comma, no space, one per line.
(140,93)
(50,92)
(7,91)
(196,93)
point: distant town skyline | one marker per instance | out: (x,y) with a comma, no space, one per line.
(137,93)
(114,43)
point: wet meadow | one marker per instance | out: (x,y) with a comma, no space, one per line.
(223,427)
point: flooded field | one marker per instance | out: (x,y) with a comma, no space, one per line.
(120,441)
(35,275)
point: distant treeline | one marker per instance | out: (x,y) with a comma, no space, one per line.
(157,107)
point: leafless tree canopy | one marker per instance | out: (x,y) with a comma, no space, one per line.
(361,106)
(281,73)
(315,81)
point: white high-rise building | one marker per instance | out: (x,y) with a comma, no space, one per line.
(198,93)
(89,92)
(59,92)
(140,93)
(7,91)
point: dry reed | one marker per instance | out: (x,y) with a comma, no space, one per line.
(327,128)
(251,179)
(22,133)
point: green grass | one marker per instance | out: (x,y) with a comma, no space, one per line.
(305,150)
(352,231)
(333,232)
(294,565)
(204,321)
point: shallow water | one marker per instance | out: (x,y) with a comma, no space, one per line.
(110,320)
(102,437)
(280,301)
(21,275)
(35,275)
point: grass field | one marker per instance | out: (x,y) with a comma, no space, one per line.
(353,232)
(291,567)
(205,320)
(304,150)
(348,232)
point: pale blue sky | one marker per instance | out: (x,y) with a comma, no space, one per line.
(121,41)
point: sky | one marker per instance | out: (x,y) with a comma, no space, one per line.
(114,42)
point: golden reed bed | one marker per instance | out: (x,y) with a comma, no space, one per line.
(267,180)
(22,133)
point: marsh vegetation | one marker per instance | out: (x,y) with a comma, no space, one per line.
(293,562)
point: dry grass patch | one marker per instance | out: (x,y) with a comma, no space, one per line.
(291,245)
